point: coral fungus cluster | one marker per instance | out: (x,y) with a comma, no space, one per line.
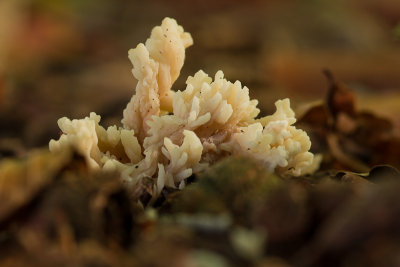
(169,135)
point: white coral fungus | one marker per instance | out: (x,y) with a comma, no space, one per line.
(210,119)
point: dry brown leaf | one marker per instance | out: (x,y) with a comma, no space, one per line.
(348,138)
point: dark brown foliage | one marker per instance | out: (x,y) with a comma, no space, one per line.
(348,138)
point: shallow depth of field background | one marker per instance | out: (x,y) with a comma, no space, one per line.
(68,58)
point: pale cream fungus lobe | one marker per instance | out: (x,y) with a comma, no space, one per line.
(208,120)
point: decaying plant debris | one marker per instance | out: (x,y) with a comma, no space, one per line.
(356,140)
(235,214)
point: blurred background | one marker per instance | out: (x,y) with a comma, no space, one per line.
(68,58)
